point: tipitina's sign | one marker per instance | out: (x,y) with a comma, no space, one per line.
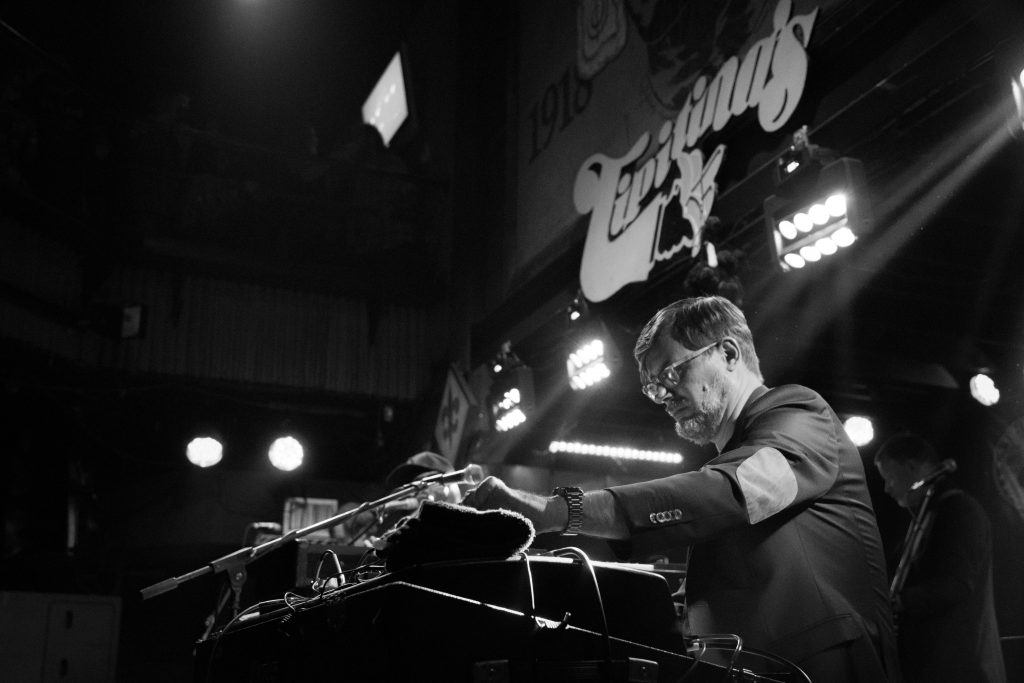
(632,204)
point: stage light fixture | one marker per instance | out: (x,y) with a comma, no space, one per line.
(588,364)
(204,451)
(591,354)
(510,398)
(799,161)
(984,390)
(860,429)
(1017,86)
(819,218)
(504,359)
(796,159)
(577,309)
(286,453)
(619,452)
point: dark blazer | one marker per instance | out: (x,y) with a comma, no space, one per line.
(785,549)
(948,630)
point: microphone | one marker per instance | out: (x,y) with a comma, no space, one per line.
(471,474)
(403,504)
(947,466)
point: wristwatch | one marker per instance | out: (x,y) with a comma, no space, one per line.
(573,496)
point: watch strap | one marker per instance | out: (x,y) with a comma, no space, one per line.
(573,496)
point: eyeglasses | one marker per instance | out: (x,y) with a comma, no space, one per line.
(657,388)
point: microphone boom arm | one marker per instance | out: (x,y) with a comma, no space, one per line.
(235,562)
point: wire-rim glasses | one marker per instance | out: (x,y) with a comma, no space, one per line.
(669,378)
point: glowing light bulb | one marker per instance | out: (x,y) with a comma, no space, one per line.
(810,253)
(843,237)
(286,453)
(860,430)
(819,214)
(794,260)
(204,451)
(803,222)
(984,390)
(836,205)
(826,246)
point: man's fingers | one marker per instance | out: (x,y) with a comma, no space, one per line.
(477,497)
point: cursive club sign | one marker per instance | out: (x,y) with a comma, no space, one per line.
(628,199)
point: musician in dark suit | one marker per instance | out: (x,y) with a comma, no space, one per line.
(945,609)
(785,550)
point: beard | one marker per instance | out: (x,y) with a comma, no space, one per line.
(704,424)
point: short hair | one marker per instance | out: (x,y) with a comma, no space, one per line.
(907,448)
(697,322)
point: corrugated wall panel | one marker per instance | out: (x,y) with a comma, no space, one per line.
(55,278)
(209,328)
(34,266)
(234,331)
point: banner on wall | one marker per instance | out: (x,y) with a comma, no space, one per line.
(618,133)
(456,411)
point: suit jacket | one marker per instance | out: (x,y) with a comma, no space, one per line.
(948,629)
(785,549)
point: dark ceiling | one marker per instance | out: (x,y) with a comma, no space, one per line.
(191,131)
(184,134)
(220,136)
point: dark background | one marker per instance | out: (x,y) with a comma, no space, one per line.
(109,110)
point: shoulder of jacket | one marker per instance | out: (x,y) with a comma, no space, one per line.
(782,395)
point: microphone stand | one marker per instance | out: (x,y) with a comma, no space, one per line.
(234,563)
(919,524)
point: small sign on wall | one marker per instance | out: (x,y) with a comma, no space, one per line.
(458,407)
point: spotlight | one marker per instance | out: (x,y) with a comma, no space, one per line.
(511,395)
(578,308)
(620,452)
(588,364)
(860,429)
(508,410)
(799,162)
(204,451)
(285,453)
(822,218)
(1017,87)
(591,355)
(984,390)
